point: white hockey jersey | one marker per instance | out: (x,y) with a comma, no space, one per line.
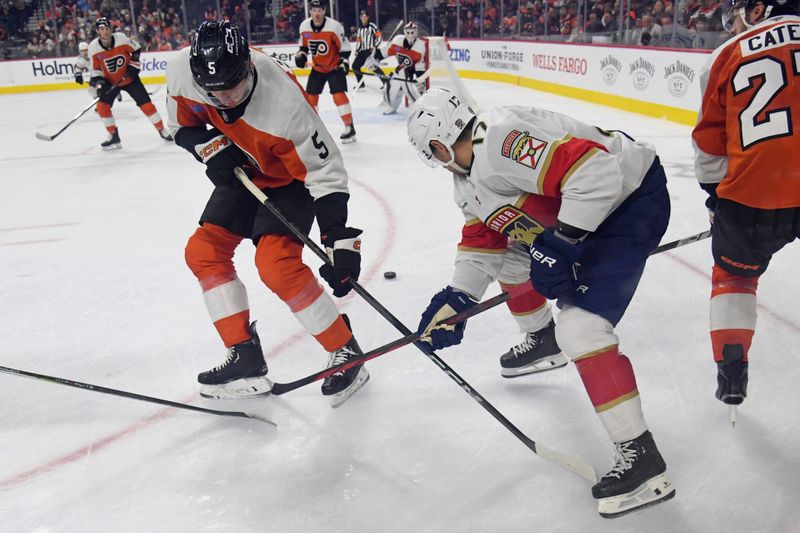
(82,64)
(408,57)
(547,165)
(279,130)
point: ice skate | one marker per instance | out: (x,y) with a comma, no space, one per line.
(538,352)
(638,479)
(349,135)
(164,134)
(342,385)
(732,375)
(242,375)
(113,142)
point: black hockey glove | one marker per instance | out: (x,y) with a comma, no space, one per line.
(711,201)
(444,304)
(344,65)
(343,247)
(101,85)
(216,151)
(79,78)
(300,59)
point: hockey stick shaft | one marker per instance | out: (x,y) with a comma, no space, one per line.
(130,395)
(283,388)
(44,137)
(422,77)
(681,242)
(573,464)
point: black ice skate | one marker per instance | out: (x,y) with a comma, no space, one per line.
(342,385)
(164,134)
(113,142)
(349,135)
(638,479)
(537,353)
(242,375)
(732,375)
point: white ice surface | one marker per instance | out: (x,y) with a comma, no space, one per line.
(94,288)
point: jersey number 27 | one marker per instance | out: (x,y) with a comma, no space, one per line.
(777,122)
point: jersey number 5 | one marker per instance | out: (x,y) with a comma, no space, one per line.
(776,122)
(320,145)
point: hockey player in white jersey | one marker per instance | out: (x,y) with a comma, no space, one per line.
(410,52)
(82,66)
(230,106)
(590,205)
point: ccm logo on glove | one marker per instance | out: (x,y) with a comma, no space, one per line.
(212,147)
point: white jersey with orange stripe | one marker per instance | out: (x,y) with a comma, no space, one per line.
(278,130)
(547,165)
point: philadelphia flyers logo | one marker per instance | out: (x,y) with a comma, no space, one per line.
(114,63)
(318,47)
(404,61)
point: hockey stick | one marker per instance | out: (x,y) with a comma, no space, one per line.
(132,395)
(283,388)
(43,137)
(682,242)
(570,463)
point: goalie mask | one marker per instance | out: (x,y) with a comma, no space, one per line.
(411,32)
(438,115)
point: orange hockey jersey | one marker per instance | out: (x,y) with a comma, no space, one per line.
(745,137)
(325,45)
(279,130)
(112,63)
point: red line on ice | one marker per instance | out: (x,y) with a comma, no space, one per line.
(18,479)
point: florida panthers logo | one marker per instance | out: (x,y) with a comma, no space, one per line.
(318,47)
(114,63)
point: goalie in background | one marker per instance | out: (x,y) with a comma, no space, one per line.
(410,52)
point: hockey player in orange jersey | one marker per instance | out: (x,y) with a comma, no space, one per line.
(114,60)
(746,159)
(324,39)
(231,106)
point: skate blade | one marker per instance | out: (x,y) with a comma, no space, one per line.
(349,140)
(361,379)
(551,362)
(655,490)
(732,415)
(112,147)
(240,388)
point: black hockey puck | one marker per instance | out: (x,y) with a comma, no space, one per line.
(389,274)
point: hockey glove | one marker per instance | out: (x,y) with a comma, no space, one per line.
(300,59)
(554,265)
(444,304)
(711,201)
(344,250)
(344,65)
(79,78)
(101,85)
(216,151)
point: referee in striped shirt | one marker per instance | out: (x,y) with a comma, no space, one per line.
(368,39)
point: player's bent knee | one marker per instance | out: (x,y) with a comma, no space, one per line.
(579,332)
(210,247)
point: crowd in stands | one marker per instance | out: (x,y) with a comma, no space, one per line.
(46,28)
(643,22)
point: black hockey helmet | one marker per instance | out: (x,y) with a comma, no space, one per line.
(772,8)
(219,57)
(100,22)
(315,3)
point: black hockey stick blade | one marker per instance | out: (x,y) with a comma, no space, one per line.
(132,395)
(43,137)
(283,388)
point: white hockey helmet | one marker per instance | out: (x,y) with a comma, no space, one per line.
(411,32)
(438,115)
(83,45)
